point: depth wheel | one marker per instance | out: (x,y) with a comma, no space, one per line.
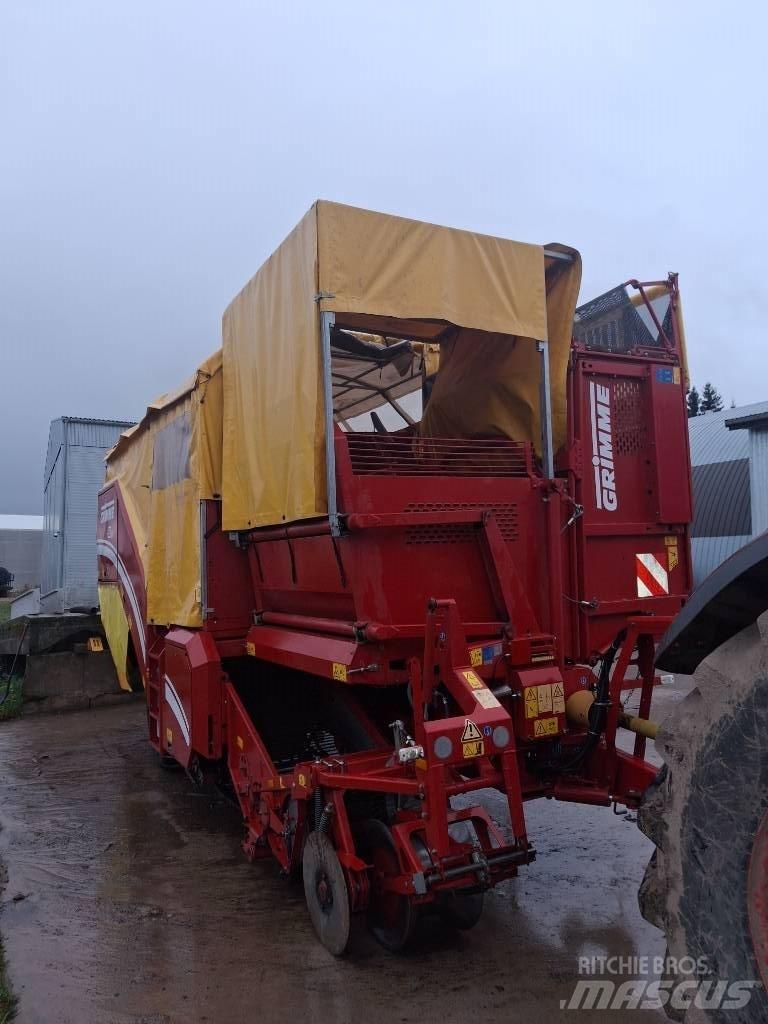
(391,915)
(325,890)
(707,812)
(460,910)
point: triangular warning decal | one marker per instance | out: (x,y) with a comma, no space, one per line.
(557,690)
(471,732)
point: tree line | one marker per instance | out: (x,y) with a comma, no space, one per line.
(710,400)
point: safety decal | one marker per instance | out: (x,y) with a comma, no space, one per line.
(545,727)
(544,698)
(250,649)
(652,577)
(471,732)
(486,699)
(531,702)
(673,557)
(485,655)
(169,737)
(558,699)
(668,374)
(473,679)
(339,672)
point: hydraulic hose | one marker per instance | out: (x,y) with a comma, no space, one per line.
(597,712)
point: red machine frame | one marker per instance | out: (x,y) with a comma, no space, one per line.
(461,574)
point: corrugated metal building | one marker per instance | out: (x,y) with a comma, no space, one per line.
(74,472)
(21,541)
(729,458)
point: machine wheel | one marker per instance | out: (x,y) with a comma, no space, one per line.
(460,910)
(169,763)
(325,890)
(706,885)
(391,916)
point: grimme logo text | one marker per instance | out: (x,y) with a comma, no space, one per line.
(602,447)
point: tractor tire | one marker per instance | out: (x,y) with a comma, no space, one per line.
(707,814)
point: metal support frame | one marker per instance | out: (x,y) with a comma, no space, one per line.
(327,321)
(204,609)
(545,407)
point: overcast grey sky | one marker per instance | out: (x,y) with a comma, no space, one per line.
(152,154)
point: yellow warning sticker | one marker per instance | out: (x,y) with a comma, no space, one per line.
(476,656)
(531,702)
(302,780)
(250,649)
(471,732)
(544,696)
(676,374)
(486,699)
(672,556)
(545,727)
(95,644)
(474,748)
(558,699)
(339,672)
(473,679)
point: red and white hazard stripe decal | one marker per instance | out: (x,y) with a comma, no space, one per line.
(652,577)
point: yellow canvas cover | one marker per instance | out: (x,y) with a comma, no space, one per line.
(165,466)
(348,261)
(116,627)
(488,385)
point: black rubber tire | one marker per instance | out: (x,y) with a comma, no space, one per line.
(703,814)
(459,909)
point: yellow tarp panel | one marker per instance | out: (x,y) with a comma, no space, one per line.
(165,466)
(487,387)
(563,283)
(274,441)
(115,623)
(488,384)
(390,266)
(343,260)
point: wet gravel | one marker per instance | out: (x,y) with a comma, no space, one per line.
(127,901)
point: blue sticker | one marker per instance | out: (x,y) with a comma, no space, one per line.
(664,375)
(487,730)
(491,652)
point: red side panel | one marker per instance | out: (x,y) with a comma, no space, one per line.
(633,480)
(191,696)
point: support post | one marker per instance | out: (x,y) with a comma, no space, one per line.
(545,409)
(327,321)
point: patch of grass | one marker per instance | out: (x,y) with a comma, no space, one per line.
(7,998)
(11,708)
(5,614)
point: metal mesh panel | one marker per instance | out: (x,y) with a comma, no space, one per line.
(505,515)
(612,323)
(630,422)
(405,455)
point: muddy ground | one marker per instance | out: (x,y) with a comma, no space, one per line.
(128,901)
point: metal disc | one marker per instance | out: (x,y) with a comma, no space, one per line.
(391,915)
(325,890)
